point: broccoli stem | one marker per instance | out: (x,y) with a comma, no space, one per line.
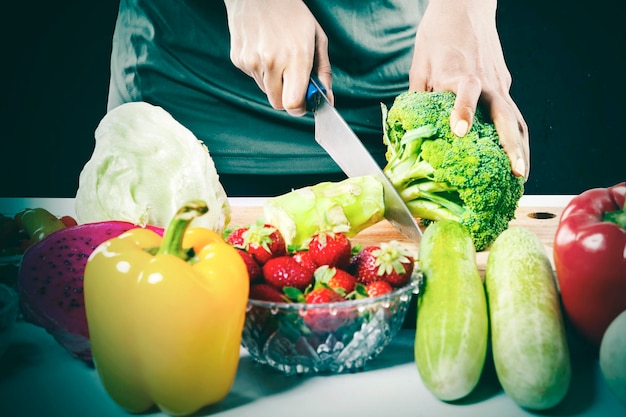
(413,177)
(428,191)
(415,188)
(402,172)
(426,209)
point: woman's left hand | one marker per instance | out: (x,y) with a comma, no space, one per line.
(457,48)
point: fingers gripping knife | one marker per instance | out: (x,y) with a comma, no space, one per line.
(347,150)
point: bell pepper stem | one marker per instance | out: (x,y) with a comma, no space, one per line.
(618,217)
(172,242)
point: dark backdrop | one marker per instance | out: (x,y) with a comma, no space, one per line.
(566,59)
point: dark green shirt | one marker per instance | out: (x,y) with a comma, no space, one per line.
(175,54)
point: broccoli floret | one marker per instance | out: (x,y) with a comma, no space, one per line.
(442,176)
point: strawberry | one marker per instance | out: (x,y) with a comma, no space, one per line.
(376,288)
(262,241)
(284,271)
(390,262)
(235,237)
(331,248)
(304,258)
(265,292)
(342,281)
(364,265)
(322,320)
(322,295)
(336,279)
(253,267)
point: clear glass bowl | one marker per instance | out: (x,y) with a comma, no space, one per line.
(298,338)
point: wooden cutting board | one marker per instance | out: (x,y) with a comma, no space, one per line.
(541,220)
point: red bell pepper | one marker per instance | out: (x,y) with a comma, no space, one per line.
(590,259)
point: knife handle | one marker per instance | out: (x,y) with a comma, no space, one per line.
(314,93)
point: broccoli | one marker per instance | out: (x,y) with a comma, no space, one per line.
(442,176)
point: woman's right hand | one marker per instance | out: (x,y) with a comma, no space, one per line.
(279,43)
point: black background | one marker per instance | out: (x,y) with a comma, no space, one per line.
(566,59)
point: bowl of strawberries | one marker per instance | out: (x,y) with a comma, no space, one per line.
(329,306)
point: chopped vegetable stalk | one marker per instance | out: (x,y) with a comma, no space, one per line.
(347,206)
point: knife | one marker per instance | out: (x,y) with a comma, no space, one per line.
(346,149)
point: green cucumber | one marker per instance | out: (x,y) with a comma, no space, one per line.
(528,339)
(452,328)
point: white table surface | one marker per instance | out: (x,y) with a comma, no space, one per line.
(38,378)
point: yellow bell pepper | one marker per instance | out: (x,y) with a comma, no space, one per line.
(165,315)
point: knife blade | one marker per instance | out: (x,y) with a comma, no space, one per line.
(346,149)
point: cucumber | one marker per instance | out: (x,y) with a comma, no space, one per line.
(528,339)
(452,330)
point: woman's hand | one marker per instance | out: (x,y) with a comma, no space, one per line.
(279,43)
(457,48)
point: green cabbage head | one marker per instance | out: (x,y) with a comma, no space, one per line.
(144,167)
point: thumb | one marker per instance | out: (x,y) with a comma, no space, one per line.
(467,95)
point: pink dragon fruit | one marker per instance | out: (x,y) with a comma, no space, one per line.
(50,281)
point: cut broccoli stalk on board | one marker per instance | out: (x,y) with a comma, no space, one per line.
(347,206)
(442,176)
